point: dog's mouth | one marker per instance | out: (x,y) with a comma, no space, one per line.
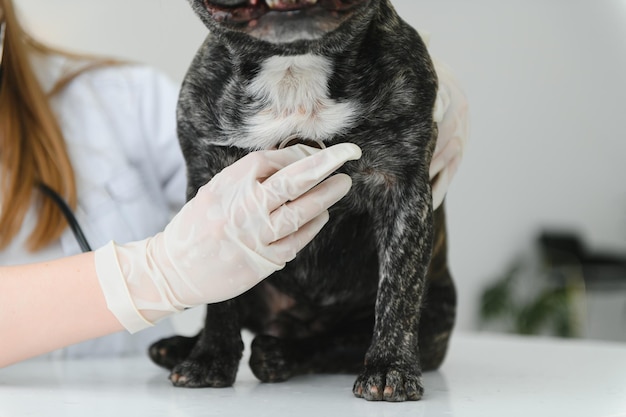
(248,11)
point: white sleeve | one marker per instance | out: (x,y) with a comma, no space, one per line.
(157,99)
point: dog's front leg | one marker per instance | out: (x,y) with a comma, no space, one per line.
(404,227)
(214,360)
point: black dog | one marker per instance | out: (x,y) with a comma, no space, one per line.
(357,298)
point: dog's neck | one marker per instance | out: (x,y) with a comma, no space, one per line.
(290,96)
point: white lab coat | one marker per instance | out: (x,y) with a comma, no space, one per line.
(119,125)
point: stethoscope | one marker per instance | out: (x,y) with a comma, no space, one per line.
(69,216)
(49,192)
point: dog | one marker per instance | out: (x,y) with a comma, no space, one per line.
(372,293)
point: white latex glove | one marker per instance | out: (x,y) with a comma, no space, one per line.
(451,115)
(246,223)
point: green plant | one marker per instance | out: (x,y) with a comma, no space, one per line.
(549,309)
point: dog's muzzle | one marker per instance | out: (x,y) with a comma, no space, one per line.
(243,11)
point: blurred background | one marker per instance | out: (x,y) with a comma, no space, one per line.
(537,211)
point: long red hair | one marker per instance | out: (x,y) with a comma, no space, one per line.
(32,147)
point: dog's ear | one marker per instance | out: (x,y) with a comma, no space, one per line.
(200,8)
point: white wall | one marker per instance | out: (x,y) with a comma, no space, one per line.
(546,86)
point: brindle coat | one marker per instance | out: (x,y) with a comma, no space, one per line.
(372,294)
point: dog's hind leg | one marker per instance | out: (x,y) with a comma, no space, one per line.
(342,350)
(439,303)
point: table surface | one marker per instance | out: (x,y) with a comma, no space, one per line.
(483,375)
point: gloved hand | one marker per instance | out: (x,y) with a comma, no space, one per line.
(246,223)
(451,115)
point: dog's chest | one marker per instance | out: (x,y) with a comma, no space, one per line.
(289,96)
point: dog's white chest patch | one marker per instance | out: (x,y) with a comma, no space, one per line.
(291,97)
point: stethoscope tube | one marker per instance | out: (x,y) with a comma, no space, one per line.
(69,216)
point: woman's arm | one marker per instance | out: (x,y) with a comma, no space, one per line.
(48,305)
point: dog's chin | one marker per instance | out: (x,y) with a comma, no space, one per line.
(281,21)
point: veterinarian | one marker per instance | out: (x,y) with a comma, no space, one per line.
(101,136)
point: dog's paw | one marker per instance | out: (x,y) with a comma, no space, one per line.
(193,373)
(270,359)
(171,351)
(388,384)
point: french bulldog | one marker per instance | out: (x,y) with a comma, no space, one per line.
(372,293)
